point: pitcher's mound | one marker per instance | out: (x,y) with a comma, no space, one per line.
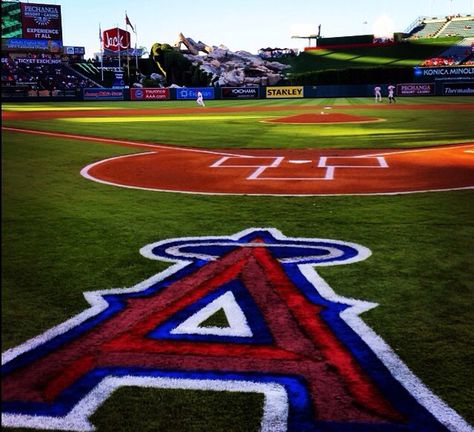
(324,117)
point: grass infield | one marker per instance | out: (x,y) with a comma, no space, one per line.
(63,235)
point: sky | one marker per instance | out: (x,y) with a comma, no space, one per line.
(243,24)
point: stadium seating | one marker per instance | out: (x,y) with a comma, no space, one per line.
(87,69)
(444,27)
(430,28)
(41,77)
(454,55)
(461,26)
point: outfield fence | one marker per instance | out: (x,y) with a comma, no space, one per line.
(435,88)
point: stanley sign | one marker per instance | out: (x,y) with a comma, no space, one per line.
(285,92)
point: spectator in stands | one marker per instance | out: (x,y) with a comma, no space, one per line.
(51,76)
(442,61)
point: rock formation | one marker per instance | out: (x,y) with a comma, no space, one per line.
(228,68)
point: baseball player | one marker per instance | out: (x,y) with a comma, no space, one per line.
(378,94)
(200,99)
(391,97)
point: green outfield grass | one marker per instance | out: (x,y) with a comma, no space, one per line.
(410,53)
(63,235)
(400,128)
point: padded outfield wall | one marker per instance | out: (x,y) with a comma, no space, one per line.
(434,81)
(440,88)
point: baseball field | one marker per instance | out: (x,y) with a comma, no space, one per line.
(91,191)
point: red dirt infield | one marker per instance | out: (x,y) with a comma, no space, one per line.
(281,171)
(291,172)
(273,171)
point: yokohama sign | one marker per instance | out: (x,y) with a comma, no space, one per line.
(116,39)
(240,92)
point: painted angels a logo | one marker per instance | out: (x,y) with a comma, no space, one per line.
(244,313)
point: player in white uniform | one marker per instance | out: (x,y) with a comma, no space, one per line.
(378,94)
(200,99)
(391,97)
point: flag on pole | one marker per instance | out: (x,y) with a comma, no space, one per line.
(119,46)
(128,23)
(101,54)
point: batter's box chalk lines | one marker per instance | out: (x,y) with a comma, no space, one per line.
(275,162)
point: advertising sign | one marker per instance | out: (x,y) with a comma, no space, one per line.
(416,89)
(285,92)
(191,93)
(448,73)
(103,94)
(74,50)
(459,89)
(132,52)
(41,21)
(240,92)
(135,52)
(49,61)
(149,94)
(116,39)
(44,45)
(118,80)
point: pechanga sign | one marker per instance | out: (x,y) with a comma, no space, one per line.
(41,21)
(415,89)
(284,92)
(287,336)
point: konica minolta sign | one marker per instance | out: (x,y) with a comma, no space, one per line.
(440,73)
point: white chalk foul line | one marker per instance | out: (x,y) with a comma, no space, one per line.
(419,150)
(122,142)
(85,170)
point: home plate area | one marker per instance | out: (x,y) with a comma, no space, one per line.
(290,171)
(280,168)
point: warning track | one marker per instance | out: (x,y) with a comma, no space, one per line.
(280,172)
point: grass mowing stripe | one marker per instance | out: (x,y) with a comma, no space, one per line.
(160,118)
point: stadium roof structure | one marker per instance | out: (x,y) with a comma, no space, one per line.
(310,37)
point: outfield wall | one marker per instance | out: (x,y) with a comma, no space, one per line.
(435,88)
(409,89)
